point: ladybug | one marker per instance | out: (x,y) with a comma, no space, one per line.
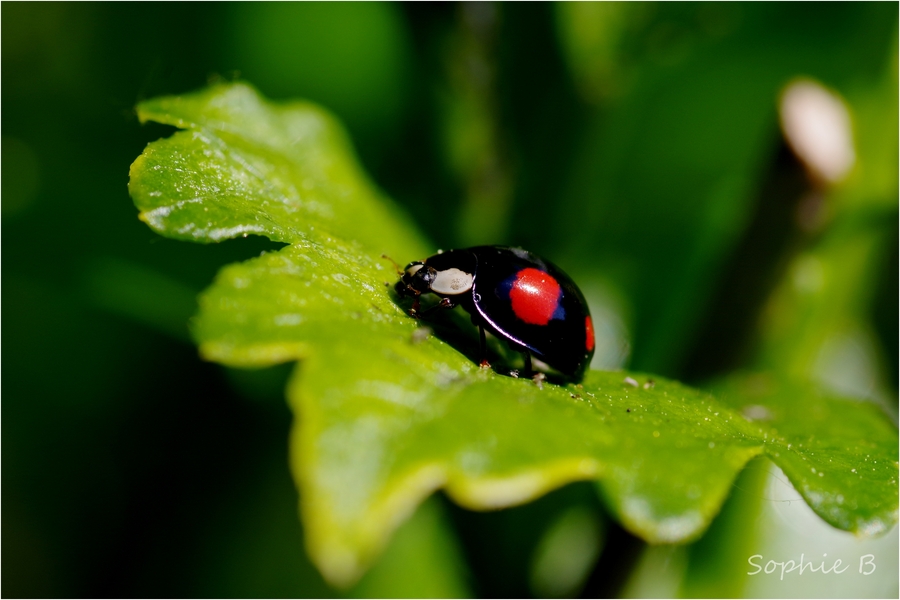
(516,295)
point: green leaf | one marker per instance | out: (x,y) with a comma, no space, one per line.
(840,454)
(247,167)
(387,414)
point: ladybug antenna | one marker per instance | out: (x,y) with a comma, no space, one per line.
(393,262)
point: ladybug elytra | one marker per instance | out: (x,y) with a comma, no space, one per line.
(516,295)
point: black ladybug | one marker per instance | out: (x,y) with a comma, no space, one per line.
(514,294)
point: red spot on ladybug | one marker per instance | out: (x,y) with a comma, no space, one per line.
(589,330)
(535,297)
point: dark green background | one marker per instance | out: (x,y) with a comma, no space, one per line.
(652,169)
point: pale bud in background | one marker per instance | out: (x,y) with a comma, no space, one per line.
(816,124)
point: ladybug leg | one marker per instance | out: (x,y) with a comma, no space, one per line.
(483,349)
(444,303)
(536,376)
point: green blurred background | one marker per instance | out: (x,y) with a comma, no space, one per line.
(638,145)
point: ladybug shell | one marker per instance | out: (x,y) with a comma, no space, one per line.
(529,302)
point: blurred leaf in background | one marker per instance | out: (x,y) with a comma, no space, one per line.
(356,59)
(639,143)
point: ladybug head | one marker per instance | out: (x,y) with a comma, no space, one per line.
(416,279)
